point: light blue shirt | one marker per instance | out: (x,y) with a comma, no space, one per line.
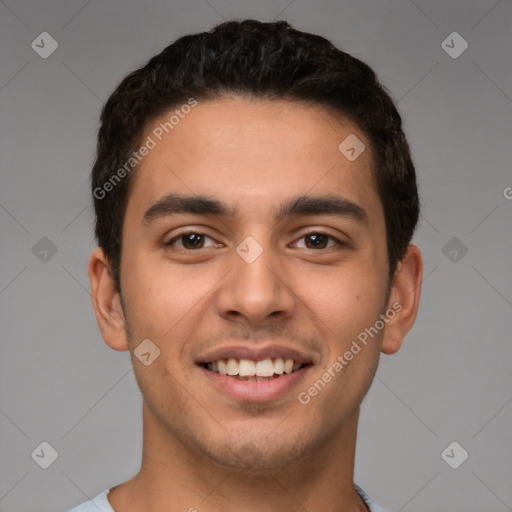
(101,504)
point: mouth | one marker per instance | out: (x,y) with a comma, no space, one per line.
(264,379)
(250,370)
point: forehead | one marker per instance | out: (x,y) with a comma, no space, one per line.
(251,153)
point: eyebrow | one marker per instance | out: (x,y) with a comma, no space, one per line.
(175,204)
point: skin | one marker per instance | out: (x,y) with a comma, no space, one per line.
(202,449)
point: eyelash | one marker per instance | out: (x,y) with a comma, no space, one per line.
(185,233)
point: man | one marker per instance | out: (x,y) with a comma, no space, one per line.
(255,201)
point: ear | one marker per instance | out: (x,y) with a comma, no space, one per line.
(106,302)
(404,299)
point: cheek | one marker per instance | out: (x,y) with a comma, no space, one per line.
(345,299)
(164,300)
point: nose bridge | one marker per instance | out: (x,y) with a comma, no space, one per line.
(255,289)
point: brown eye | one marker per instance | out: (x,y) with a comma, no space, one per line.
(318,240)
(188,241)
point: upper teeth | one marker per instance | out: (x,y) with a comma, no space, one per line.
(250,368)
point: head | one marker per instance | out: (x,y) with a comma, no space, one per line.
(249,117)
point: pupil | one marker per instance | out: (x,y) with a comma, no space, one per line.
(317,239)
(192,240)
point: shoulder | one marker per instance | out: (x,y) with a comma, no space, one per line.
(98,504)
(372,506)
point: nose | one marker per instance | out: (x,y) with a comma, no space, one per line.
(256,291)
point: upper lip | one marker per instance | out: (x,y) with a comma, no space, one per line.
(256,354)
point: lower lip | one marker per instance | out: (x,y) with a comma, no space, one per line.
(255,391)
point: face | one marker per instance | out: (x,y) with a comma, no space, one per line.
(254,274)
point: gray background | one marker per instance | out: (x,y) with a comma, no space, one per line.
(451,381)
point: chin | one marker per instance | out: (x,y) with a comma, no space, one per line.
(258,455)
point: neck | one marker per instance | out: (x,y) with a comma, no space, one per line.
(172,478)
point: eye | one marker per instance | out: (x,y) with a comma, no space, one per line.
(318,240)
(189,241)
(193,240)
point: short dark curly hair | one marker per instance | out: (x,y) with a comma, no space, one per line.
(264,60)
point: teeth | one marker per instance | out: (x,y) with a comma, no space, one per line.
(265,368)
(249,368)
(278,365)
(232,367)
(246,368)
(222,366)
(254,379)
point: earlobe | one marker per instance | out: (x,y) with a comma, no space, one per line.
(106,302)
(404,298)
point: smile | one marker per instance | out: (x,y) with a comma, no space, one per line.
(250,370)
(248,380)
